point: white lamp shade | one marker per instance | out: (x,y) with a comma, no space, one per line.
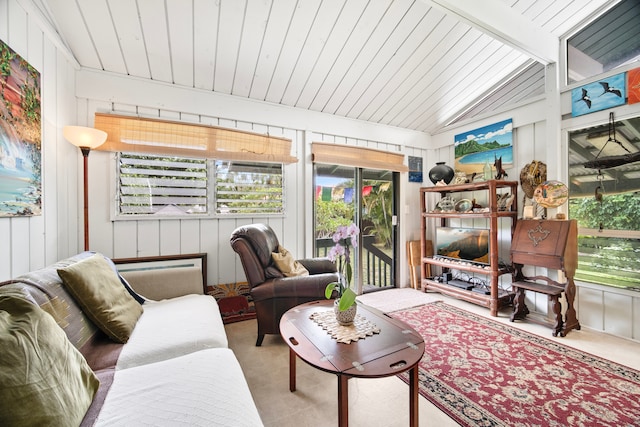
(84,137)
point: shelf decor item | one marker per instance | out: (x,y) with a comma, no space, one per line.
(446,204)
(487,171)
(464,205)
(551,194)
(441,172)
(345,305)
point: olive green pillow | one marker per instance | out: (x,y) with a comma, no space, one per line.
(44,380)
(98,291)
(287,265)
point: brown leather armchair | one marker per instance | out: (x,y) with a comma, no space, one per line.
(272,293)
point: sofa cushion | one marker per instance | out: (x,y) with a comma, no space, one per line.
(205,388)
(125,283)
(45,287)
(287,265)
(174,327)
(44,380)
(98,290)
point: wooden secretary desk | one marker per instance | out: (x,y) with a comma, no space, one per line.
(552,244)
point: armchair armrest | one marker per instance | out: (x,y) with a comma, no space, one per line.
(303,287)
(318,265)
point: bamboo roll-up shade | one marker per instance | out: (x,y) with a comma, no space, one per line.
(154,136)
(361,157)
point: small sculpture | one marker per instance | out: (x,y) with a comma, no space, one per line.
(501,173)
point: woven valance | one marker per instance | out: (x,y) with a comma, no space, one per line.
(154,136)
(361,157)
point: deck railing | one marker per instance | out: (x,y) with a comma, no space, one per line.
(377,264)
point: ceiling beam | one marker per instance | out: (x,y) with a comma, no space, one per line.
(501,22)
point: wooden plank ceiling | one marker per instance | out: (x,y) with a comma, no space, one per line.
(405,63)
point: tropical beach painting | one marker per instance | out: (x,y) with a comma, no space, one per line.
(20,136)
(487,144)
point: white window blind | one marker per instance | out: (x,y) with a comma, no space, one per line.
(248,188)
(161,185)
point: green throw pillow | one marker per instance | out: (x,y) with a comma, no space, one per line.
(97,289)
(287,265)
(44,380)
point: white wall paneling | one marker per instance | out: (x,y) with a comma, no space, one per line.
(187,230)
(618,309)
(32,242)
(615,311)
(148,237)
(170,241)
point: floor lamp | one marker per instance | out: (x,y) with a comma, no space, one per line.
(86,139)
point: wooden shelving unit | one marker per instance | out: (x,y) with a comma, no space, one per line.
(497,297)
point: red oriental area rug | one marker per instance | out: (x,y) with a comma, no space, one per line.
(484,373)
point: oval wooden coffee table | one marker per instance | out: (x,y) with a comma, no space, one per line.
(396,348)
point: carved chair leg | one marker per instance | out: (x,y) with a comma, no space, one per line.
(520,309)
(259,340)
(557,310)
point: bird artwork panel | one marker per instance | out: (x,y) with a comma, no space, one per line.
(599,95)
(633,85)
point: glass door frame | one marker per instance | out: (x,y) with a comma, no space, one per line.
(358,182)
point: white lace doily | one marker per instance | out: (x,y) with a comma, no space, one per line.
(360,329)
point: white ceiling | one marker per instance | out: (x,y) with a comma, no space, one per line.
(407,63)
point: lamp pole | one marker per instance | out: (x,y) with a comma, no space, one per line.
(85,157)
(85,138)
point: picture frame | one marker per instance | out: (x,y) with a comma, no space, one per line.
(599,95)
(415,169)
(633,86)
(475,148)
(20,136)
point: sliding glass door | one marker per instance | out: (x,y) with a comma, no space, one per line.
(366,197)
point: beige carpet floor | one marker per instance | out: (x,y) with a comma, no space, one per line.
(380,402)
(397,299)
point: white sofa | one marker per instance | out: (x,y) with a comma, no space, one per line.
(176,367)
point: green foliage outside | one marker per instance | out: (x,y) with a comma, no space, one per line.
(615,212)
(249,192)
(378,205)
(611,261)
(164,165)
(376,221)
(330,215)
